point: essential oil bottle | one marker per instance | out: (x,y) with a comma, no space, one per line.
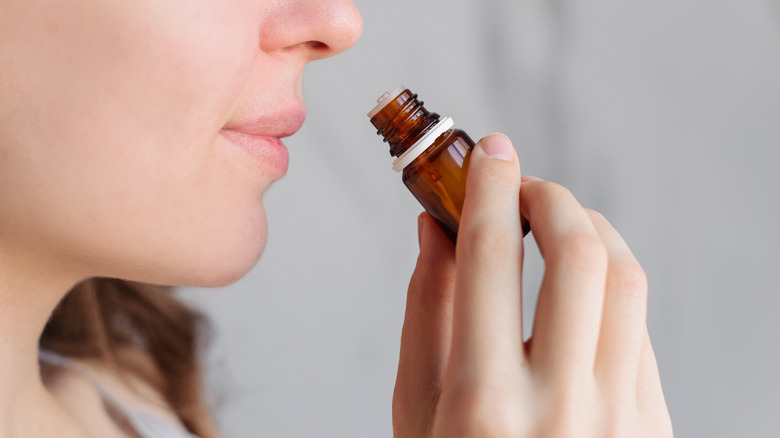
(431,154)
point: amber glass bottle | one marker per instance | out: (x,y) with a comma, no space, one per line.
(431,154)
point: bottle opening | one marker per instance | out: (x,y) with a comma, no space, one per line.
(384,99)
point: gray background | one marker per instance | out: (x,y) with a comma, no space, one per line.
(665,116)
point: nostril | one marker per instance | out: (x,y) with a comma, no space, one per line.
(316,45)
(319,28)
(318,48)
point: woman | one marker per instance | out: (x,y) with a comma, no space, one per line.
(136,142)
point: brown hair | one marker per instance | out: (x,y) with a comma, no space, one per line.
(104,319)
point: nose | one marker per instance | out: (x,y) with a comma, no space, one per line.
(319,28)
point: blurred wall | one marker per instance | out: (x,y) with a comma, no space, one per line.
(665,116)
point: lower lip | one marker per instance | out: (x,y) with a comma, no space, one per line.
(269,152)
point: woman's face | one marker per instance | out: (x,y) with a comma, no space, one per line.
(137,137)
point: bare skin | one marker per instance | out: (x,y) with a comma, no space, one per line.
(79,397)
(589,369)
(133,134)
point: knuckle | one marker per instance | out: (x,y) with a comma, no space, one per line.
(499,176)
(628,277)
(554,191)
(595,215)
(549,196)
(584,251)
(484,244)
(432,294)
(433,282)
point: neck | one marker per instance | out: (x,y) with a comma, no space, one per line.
(30,289)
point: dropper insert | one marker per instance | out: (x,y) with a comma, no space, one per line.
(384,99)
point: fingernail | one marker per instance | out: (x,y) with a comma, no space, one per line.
(498,146)
(530,178)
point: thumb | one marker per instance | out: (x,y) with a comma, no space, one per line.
(426,335)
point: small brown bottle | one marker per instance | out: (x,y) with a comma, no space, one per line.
(433,157)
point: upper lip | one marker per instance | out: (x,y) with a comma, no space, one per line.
(279,124)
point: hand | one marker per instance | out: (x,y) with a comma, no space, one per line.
(589,369)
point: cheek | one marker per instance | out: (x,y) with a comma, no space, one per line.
(115,156)
(139,64)
(203,227)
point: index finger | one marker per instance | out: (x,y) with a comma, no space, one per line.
(487,326)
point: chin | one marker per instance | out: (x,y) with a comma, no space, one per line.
(229,269)
(228,259)
(233,249)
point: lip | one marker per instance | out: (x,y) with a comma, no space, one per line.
(259,136)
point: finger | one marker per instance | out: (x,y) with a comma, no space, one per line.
(625,307)
(487,326)
(650,396)
(523,221)
(426,334)
(568,313)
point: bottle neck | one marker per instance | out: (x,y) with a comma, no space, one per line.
(403,121)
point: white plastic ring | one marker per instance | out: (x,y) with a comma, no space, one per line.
(423,144)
